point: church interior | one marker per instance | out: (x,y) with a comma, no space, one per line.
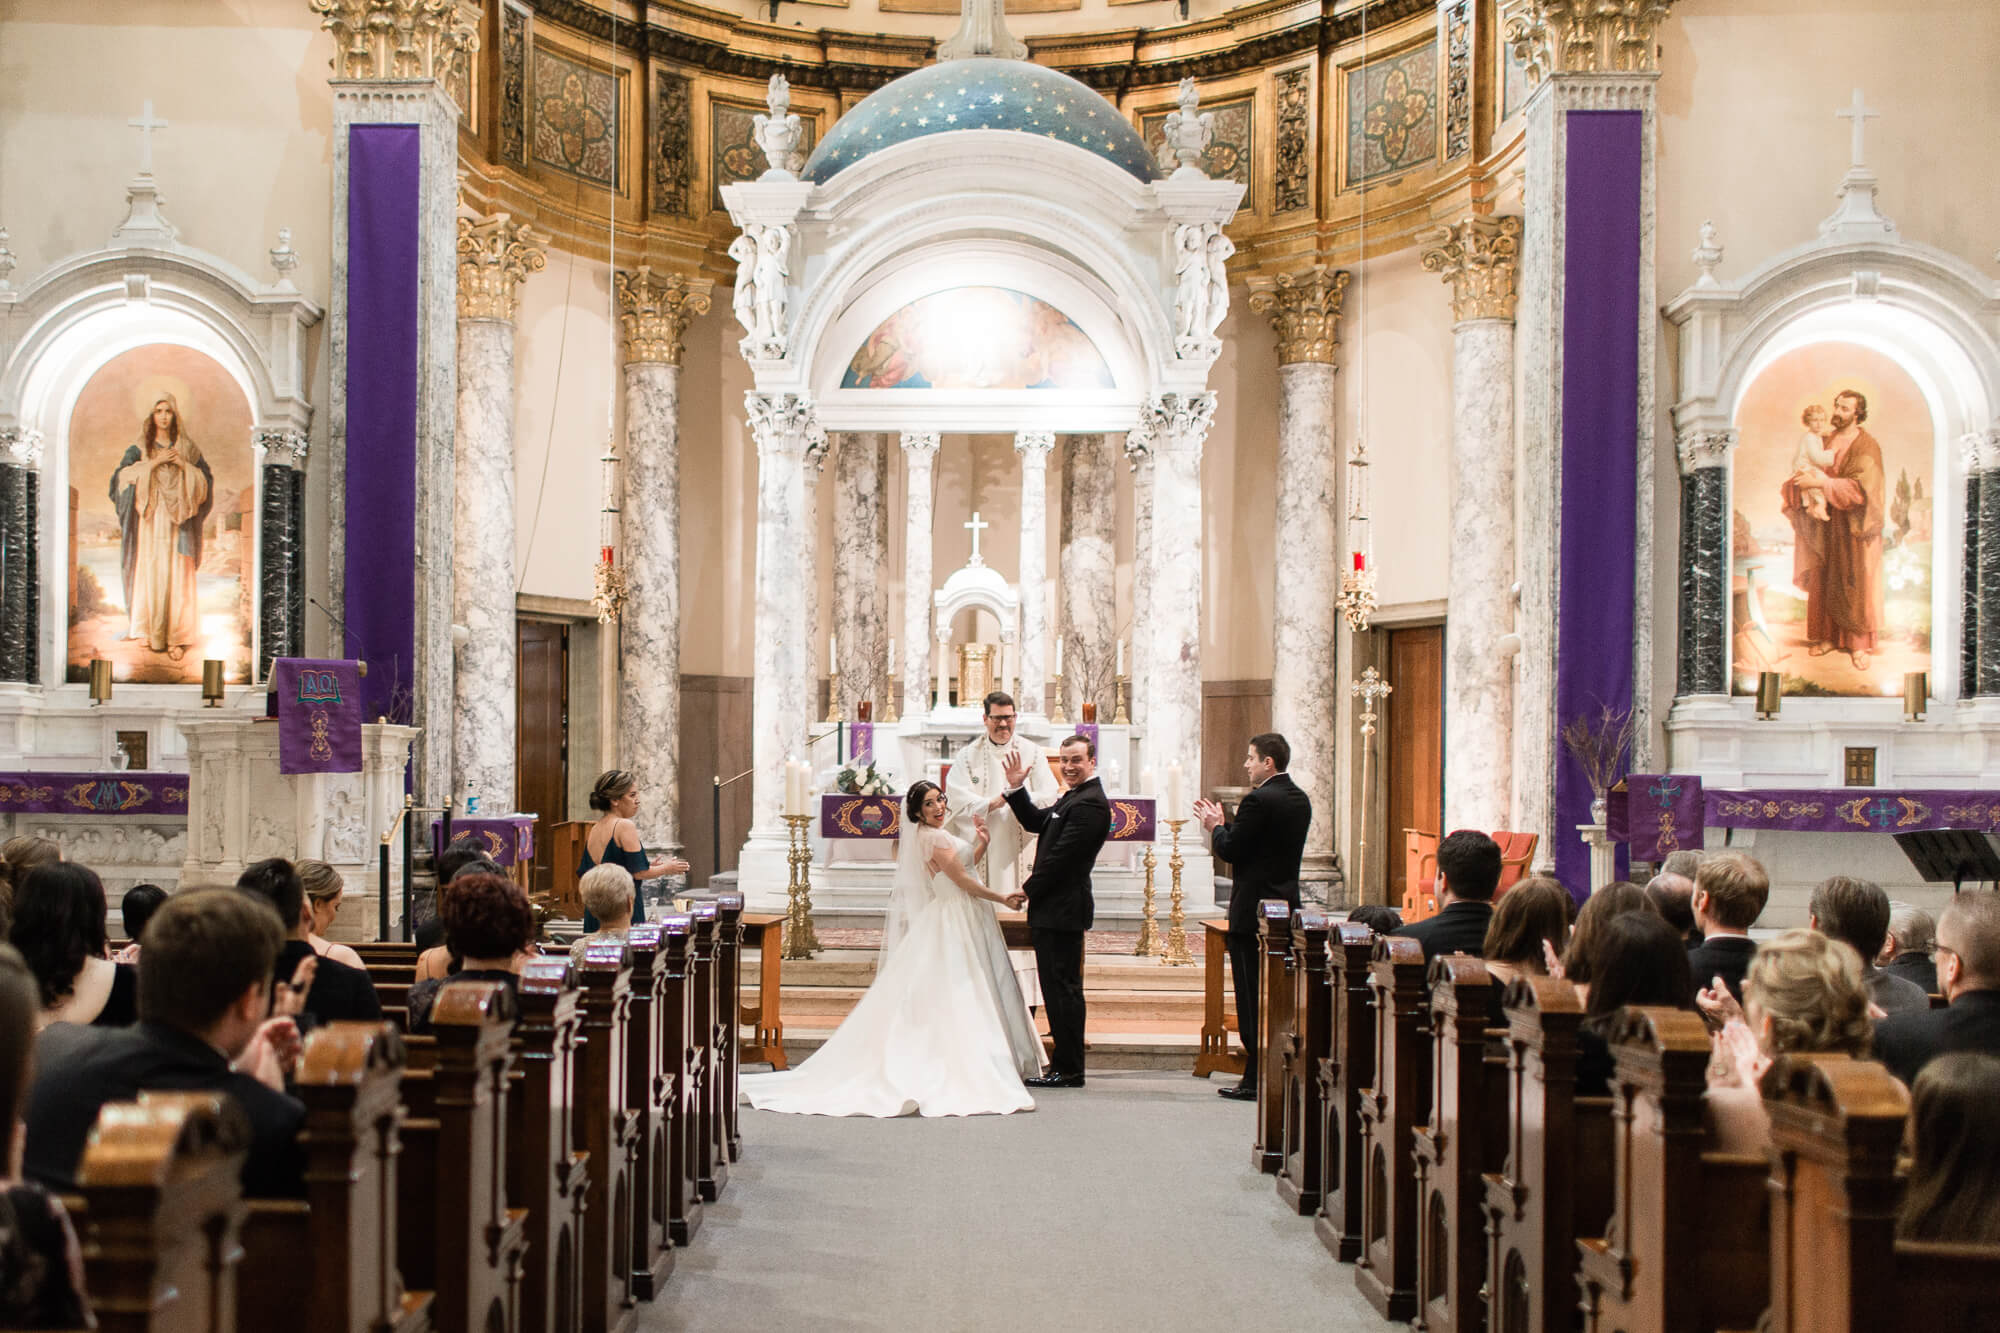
(509,427)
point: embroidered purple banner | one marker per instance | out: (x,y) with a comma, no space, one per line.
(861,742)
(507,842)
(319,715)
(1658,813)
(1854,810)
(1088,729)
(1132,819)
(846,816)
(94,794)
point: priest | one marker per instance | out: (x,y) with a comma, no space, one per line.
(976,785)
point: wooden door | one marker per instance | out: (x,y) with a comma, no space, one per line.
(541,744)
(1412,743)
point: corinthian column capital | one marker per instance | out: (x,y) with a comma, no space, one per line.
(920,442)
(1034,446)
(1178,422)
(1304,308)
(655,309)
(1586,36)
(1478,257)
(1699,448)
(396,39)
(784,423)
(494,255)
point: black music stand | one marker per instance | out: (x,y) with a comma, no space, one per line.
(1953,855)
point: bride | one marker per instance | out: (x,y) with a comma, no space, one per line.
(943,1029)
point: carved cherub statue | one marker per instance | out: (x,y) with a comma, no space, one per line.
(744,251)
(1219,249)
(1188,132)
(774,246)
(1191,270)
(778,133)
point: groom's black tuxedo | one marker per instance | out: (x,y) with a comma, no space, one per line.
(1071,832)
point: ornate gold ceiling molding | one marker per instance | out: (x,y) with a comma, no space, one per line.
(396,39)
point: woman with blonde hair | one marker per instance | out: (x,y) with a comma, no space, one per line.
(324,890)
(1804,992)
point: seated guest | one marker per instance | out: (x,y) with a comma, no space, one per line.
(1378,917)
(17,857)
(1907,951)
(1637,958)
(437,960)
(1673,898)
(204,997)
(607,895)
(338,993)
(1577,964)
(1530,922)
(1804,992)
(1730,891)
(1468,870)
(1684,862)
(1856,913)
(1955,1141)
(489,926)
(447,866)
(1968,963)
(59,928)
(324,890)
(41,1268)
(135,909)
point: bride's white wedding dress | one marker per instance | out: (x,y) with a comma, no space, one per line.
(943,1029)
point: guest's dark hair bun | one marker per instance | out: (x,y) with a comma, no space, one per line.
(610,788)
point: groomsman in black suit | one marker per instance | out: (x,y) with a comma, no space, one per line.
(1263,846)
(1070,833)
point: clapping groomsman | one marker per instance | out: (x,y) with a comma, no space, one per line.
(1263,846)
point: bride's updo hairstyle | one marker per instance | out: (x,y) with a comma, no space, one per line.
(611,788)
(913,804)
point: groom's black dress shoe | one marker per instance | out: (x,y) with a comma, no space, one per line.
(1240,1092)
(1054,1079)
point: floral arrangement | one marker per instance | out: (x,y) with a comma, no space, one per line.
(1600,744)
(863,781)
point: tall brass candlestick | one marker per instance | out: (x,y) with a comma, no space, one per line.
(1176,954)
(801,940)
(833,698)
(1055,700)
(1118,713)
(1149,927)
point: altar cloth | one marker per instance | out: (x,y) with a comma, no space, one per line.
(508,841)
(94,794)
(1661,812)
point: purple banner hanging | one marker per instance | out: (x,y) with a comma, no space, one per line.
(319,715)
(383,172)
(1600,425)
(1662,814)
(1088,729)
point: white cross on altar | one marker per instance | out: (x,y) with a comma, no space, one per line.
(146,122)
(975,527)
(1857,114)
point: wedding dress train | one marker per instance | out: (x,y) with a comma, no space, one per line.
(943,1030)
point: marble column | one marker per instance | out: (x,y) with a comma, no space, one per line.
(814,681)
(654,309)
(281,532)
(920,450)
(1477,258)
(860,547)
(1179,426)
(494,255)
(1304,307)
(386,75)
(1034,446)
(20,588)
(1089,576)
(1702,664)
(789,443)
(1139,455)
(1982,569)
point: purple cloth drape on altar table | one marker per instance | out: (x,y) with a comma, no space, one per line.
(319,715)
(1599,469)
(383,172)
(1657,813)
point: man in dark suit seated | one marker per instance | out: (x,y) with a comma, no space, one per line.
(1730,891)
(1968,965)
(339,993)
(204,997)
(1856,912)
(1264,846)
(1907,951)
(1468,864)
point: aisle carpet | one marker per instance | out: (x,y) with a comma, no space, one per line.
(1129,1204)
(1094,941)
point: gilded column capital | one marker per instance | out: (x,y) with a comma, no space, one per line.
(655,309)
(1478,257)
(1304,307)
(494,254)
(396,39)
(1586,36)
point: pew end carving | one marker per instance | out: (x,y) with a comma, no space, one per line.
(1307,1043)
(1386,1271)
(1348,1069)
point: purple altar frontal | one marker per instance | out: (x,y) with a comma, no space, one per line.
(846,816)
(94,794)
(509,841)
(1661,812)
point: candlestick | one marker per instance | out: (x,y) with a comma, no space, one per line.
(1056,717)
(1370,688)
(800,939)
(1149,930)
(1118,713)
(1176,954)
(833,696)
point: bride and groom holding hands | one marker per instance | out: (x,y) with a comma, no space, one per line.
(945,1030)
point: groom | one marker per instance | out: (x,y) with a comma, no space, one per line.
(1060,908)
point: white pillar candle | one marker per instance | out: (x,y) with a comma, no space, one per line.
(1145,782)
(1176,792)
(833,654)
(892,657)
(1058,654)
(1121,658)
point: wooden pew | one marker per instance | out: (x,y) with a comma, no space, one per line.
(161,1180)
(1275,1013)
(1465,1137)
(728,993)
(1305,1045)
(481,1241)
(341,1241)
(711,1160)
(1348,1069)
(1836,1265)
(1555,1182)
(1688,1245)
(546,1173)
(608,1132)
(1386,1271)
(683,1059)
(652,1254)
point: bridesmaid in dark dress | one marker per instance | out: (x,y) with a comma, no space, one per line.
(614,840)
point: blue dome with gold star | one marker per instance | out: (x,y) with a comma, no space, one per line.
(982,93)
